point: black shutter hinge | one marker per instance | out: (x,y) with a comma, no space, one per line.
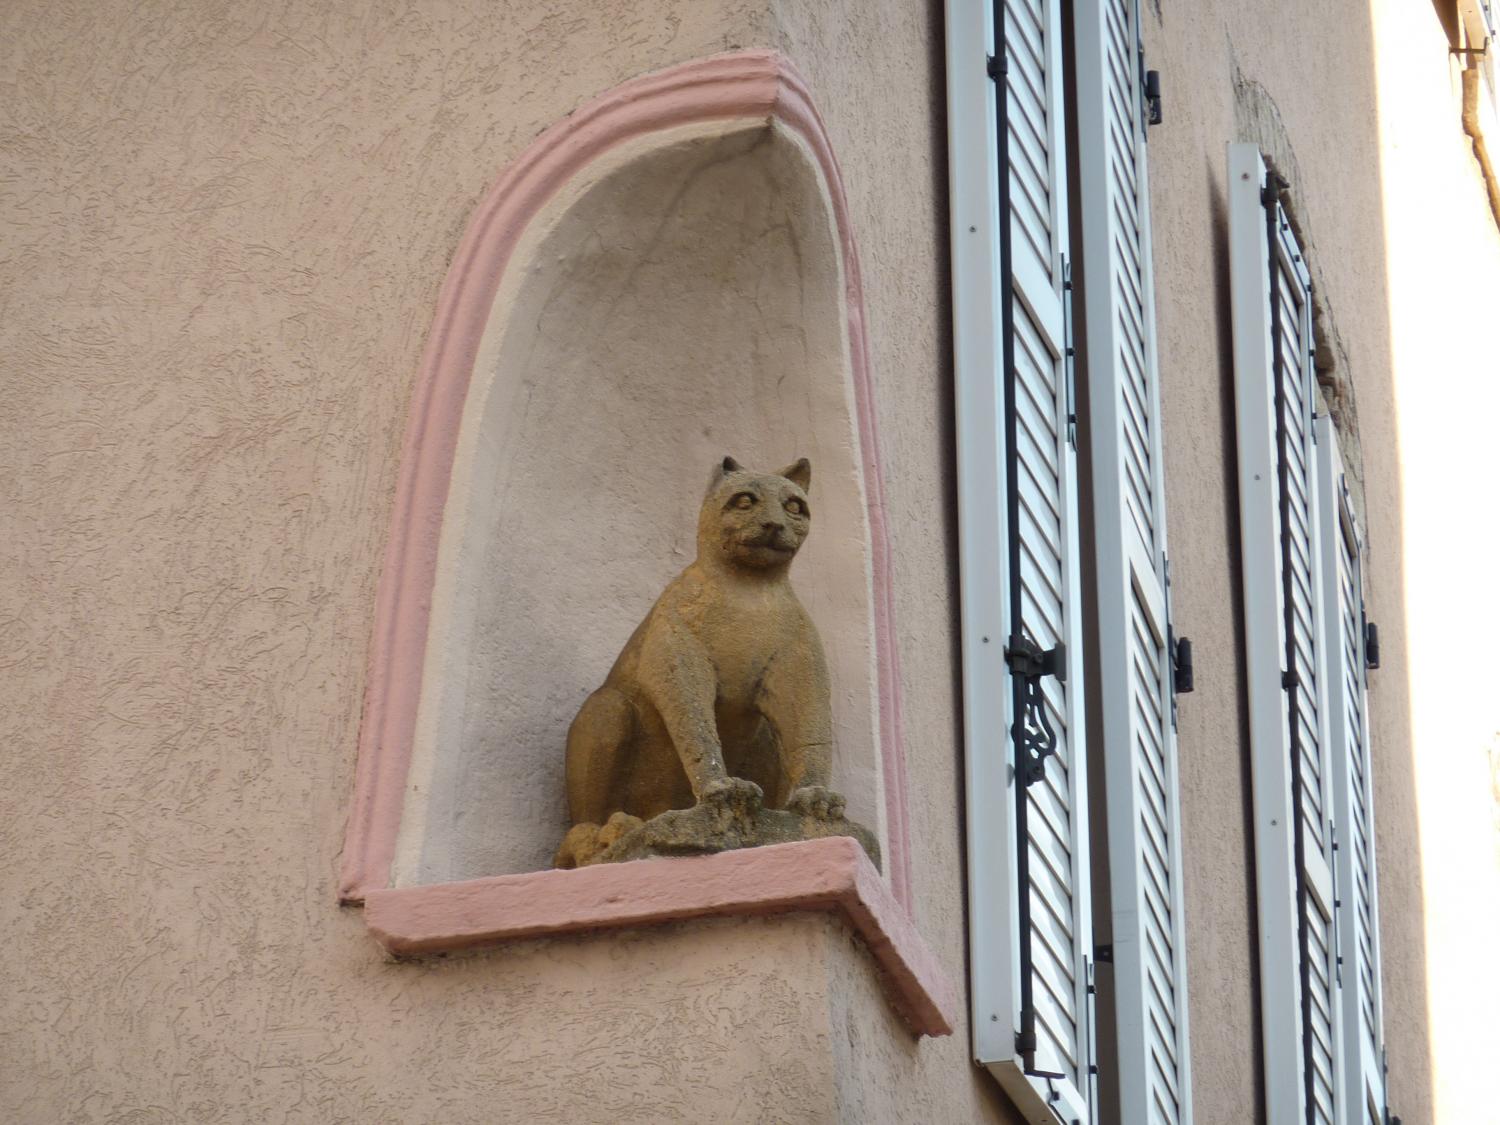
(1372,645)
(1026,1046)
(1026,658)
(1026,1038)
(1270,192)
(1150,87)
(1182,663)
(1385,1074)
(994,66)
(1153,97)
(1032,731)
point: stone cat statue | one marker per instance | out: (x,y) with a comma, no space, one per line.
(714,730)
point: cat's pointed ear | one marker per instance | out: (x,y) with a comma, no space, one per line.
(722,470)
(799,474)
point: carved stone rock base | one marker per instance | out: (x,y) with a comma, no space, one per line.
(702,830)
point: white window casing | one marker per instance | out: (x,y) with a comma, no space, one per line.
(1135,668)
(1291,765)
(1363,1062)
(1052,861)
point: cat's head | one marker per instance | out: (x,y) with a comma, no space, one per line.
(754,521)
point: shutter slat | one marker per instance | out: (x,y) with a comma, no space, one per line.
(1323,1007)
(1128,280)
(1137,433)
(1029,89)
(1041,583)
(1043,490)
(1030,127)
(1039,417)
(1025,27)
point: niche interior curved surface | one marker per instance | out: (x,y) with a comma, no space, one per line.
(662,278)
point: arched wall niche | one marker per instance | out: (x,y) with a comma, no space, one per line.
(664,277)
(678,300)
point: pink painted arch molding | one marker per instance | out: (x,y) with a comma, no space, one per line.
(740,85)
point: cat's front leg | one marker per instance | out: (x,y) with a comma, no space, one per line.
(680,681)
(796,701)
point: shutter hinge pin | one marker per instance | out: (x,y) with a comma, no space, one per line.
(994,66)
(1026,658)
(1026,1039)
(1182,663)
(1270,194)
(1150,87)
(1372,645)
(1026,1046)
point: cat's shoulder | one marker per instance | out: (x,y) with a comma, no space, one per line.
(685,593)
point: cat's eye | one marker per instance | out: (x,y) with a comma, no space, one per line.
(796,507)
(742,500)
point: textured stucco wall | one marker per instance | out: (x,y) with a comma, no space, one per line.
(224,232)
(225,228)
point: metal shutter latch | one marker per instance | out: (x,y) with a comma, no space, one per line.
(1035,739)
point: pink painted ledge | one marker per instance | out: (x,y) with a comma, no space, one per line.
(830,874)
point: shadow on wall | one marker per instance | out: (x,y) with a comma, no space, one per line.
(683,299)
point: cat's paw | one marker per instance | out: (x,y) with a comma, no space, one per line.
(730,806)
(816,801)
(578,847)
(619,824)
(734,793)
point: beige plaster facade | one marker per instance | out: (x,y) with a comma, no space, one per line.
(222,234)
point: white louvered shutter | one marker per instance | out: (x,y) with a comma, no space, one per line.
(1291,766)
(1363,1062)
(1135,673)
(1030,928)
